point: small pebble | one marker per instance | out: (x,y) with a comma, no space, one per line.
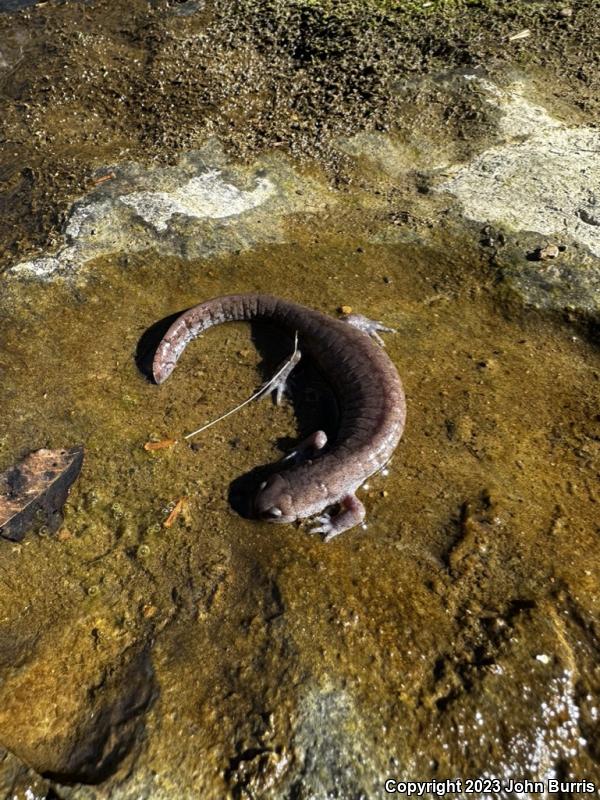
(345,309)
(566,13)
(549,251)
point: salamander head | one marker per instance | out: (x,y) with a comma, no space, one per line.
(273,501)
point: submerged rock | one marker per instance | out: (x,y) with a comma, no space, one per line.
(72,711)
(569,284)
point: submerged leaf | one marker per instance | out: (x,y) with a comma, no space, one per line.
(40,482)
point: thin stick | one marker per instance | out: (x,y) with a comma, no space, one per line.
(264,388)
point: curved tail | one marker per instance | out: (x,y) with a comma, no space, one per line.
(203,316)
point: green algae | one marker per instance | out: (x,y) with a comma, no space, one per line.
(481,534)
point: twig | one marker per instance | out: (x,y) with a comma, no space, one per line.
(264,388)
(516,37)
(103,178)
(179,507)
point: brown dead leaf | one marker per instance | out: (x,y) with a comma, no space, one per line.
(36,487)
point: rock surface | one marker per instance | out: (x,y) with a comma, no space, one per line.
(18,781)
(202,206)
(455,636)
(541,184)
(545,176)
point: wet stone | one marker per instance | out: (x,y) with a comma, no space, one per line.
(17,780)
(165,644)
(202,206)
(565,282)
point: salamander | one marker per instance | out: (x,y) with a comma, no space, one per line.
(368,390)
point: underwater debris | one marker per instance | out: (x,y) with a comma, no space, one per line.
(179,507)
(39,483)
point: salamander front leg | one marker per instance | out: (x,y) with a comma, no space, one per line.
(351,513)
(369,326)
(307,448)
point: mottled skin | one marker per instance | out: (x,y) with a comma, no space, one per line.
(371,403)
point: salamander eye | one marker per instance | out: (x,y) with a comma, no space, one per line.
(262,486)
(273,512)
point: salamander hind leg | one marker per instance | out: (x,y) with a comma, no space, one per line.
(351,513)
(369,326)
(307,448)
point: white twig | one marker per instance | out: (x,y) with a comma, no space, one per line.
(264,388)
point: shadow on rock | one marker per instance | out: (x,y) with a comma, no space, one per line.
(242,490)
(114,724)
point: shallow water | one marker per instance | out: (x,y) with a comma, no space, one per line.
(474,578)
